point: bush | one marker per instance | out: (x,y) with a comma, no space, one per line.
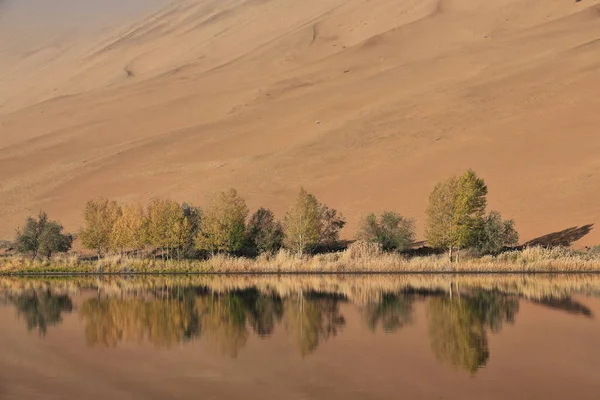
(494,234)
(363,250)
(41,237)
(264,233)
(391,231)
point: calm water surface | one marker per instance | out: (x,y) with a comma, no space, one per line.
(429,337)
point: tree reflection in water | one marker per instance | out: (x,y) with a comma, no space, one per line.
(311,319)
(41,309)
(459,322)
(393,311)
(458,326)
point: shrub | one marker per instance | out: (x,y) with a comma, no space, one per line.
(42,237)
(264,233)
(494,234)
(363,250)
(391,231)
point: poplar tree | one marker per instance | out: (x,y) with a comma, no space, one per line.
(127,230)
(455,211)
(100,217)
(223,223)
(303,225)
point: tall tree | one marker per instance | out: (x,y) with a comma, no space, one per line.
(166,225)
(223,224)
(456,208)
(41,237)
(302,225)
(100,217)
(127,230)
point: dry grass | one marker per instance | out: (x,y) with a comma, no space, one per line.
(357,259)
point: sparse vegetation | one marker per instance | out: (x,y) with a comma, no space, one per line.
(220,238)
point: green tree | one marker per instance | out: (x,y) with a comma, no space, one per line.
(332,223)
(390,230)
(223,224)
(302,225)
(494,234)
(41,237)
(194,218)
(100,217)
(455,211)
(264,233)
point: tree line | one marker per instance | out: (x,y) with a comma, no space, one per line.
(456,219)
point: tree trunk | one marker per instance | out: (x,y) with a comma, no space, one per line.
(450,253)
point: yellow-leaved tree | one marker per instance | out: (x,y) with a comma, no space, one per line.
(223,223)
(99,219)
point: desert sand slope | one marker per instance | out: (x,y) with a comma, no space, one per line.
(366,103)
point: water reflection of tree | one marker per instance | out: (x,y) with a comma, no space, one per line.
(457,326)
(41,309)
(223,321)
(392,311)
(163,322)
(311,319)
(171,318)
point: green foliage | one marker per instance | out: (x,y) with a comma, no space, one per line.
(264,233)
(332,223)
(302,225)
(194,218)
(41,237)
(310,224)
(392,231)
(456,208)
(223,226)
(494,234)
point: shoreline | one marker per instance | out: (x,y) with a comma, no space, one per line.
(533,260)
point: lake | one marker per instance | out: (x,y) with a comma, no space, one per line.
(300,337)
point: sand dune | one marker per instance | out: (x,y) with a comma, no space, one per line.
(202,95)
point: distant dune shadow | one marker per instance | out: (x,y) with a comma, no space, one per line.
(563,238)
